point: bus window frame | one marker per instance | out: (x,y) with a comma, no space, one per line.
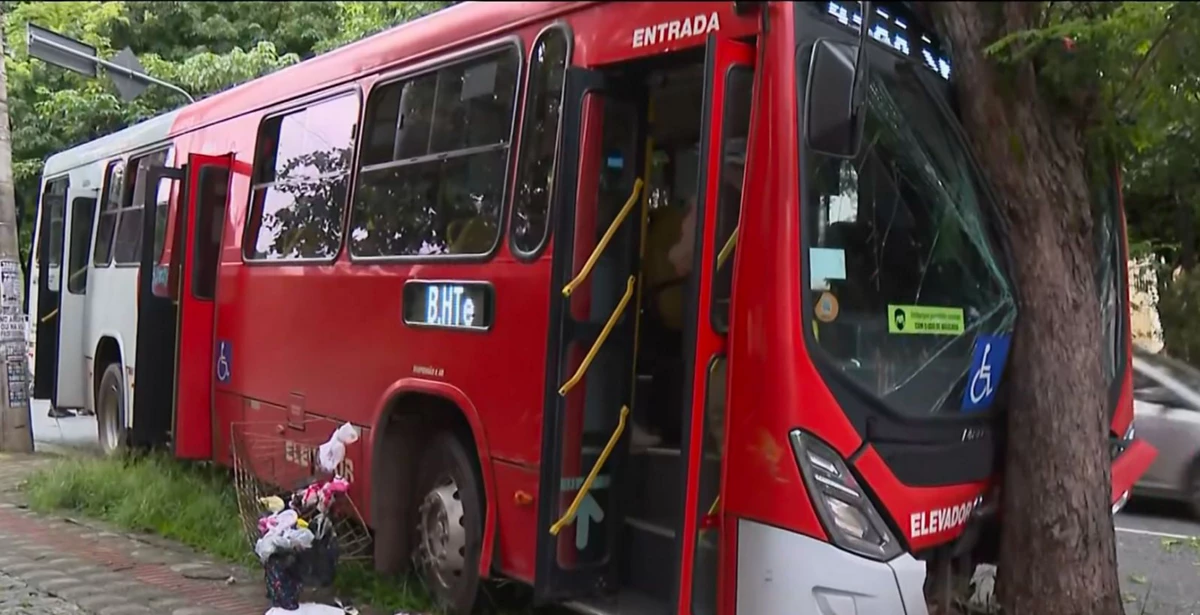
(69,240)
(41,238)
(131,161)
(123,163)
(518,165)
(254,212)
(513,41)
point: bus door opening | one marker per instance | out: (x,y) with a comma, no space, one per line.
(49,283)
(590,347)
(644,135)
(158,313)
(200,251)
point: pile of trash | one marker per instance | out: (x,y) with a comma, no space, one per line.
(297,543)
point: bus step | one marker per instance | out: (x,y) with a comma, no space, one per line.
(648,553)
(627,602)
(653,486)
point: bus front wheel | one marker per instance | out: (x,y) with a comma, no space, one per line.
(110,410)
(449,525)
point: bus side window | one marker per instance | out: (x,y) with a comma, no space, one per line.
(301,172)
(127,247)
(54,199)
(739,83)
(114,186)
(83,210)
(435,161)
(540,135)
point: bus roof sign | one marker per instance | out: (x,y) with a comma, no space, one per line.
(61,51)
(125,70)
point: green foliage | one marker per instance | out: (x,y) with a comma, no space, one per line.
(1128,70)
(144,496)
(1178,305)
(204,47)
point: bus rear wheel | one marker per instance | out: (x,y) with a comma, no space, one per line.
(449,525)
(110,410)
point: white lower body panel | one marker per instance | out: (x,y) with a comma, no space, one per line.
(779,572)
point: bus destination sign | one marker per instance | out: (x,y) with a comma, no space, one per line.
(895,30)
(449,304)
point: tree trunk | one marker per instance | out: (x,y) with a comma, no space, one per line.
(16,429)
(1058,552)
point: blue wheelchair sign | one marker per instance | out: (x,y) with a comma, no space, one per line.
(224,360)
(987,365)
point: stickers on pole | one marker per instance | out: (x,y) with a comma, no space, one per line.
(924,320)
(10,286)
(987,365)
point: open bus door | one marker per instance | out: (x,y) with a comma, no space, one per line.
(173,392)
(592,309)
(71,382)
(728,85)
(49,285)
(200,246)
(154,371)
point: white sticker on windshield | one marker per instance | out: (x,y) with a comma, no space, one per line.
(825,264)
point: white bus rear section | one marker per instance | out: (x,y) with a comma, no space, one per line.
(105,313)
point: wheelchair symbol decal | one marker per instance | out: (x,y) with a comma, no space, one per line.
(987,365)
(224,361)
(981,384)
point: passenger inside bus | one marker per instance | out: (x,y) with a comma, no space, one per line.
(667,260)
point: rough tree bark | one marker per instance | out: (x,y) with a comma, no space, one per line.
(1058,552)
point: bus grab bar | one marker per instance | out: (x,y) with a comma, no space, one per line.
(727,249)
(608,235)
(608,327)
(587,483)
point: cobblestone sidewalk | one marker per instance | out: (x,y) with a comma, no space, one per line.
(51,565)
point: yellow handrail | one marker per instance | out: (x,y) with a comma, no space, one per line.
(608,235)
(47,317)
(587,483)
(727,249)
(713,509)
(608,327)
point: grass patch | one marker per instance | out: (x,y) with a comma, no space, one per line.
(192,503)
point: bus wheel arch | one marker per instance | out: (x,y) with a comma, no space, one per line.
(411,419)
(108,380)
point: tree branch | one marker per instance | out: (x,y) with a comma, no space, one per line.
(1146,59)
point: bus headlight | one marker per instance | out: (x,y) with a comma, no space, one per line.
(849,517)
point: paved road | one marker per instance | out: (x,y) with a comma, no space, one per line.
(1158,547)
(18,598)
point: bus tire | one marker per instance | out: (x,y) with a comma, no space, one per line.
(449,529)
(110,410)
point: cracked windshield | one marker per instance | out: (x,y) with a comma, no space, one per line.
(902,275)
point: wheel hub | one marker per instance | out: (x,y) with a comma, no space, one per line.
(110,412)
(442,537)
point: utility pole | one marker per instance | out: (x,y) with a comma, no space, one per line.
(16,428)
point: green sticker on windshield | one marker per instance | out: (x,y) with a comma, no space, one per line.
(924,320)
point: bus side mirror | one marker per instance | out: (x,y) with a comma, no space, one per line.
(832,123)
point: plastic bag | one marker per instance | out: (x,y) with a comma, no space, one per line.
(333,452)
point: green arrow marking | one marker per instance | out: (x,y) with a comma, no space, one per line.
(589,511)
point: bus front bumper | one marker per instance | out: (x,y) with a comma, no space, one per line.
(779,571)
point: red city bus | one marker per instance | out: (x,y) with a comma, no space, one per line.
(504,237)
